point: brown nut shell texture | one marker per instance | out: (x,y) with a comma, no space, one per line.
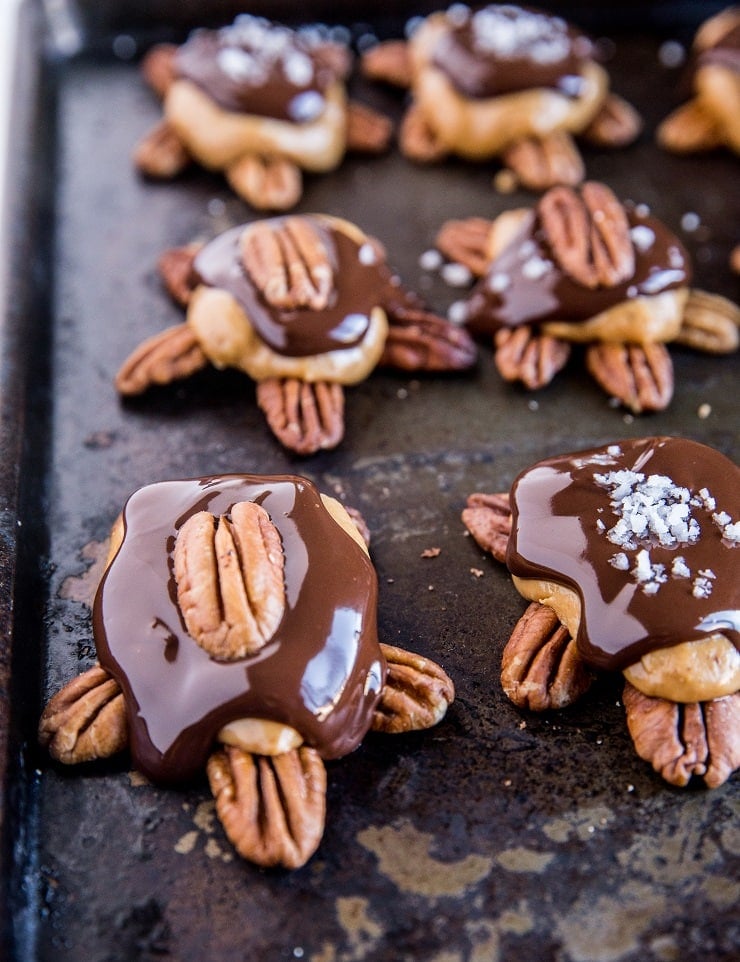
(230,584)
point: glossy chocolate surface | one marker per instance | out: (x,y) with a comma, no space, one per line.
(362,280)
(254,67)
(322,672)
(501,49)
(524,284)
(564,519)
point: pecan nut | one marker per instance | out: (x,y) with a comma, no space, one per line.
(543,162)
(85,720)
(617,124)
(419,340)
(690,128)
(683,740)
(588,233)
(304,417)
(273,808)
(160,154)
(288,262)
(735,259)
(533,359)
(168,356)
(416,694)
(368,131)
(639,375)
(540,666)
(230,580)
(158,67)
(267,183)
(466,242)
(488,519)
(710,323)
(417,140)
(175,267)
(388,62)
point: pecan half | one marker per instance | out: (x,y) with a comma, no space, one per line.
(540,665)
(267,183)
(160,154)
(710,323)
(85,720)
(534,359)
(230,580)
(421,341)
(617,123)
(639,375)
(168,356)
(288,262)
(158,67)
(735,259)
(543,162)
(488,518)
(417,140)
(416,694)
(175,267)
(466,242)
(588,234)
(368,131)
(273,808)
(388,62)
(688,129)
(683,740)
(304,417)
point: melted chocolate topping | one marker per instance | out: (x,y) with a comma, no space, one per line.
(322,672)
(646,531)
(501,49)
(362,280)
(524,284)
(255,67)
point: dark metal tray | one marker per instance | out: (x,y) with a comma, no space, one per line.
(498,835)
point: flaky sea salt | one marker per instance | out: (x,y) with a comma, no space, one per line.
(456,275)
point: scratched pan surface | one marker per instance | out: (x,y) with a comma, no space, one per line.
(497,835)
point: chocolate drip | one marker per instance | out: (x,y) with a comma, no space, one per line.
(499,50)
(561,519)
(322,672)
(255,68)
(362,281)
(524,284)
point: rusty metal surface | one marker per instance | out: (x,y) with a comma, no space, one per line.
(498,835)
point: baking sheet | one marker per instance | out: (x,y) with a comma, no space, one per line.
(497,835)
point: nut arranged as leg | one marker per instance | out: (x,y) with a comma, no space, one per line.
(389,62)
(160,154)
(488,518)
(175,267)
(368,131)
(543,162)
(273,809)
(416,694)
(540,666)
(617,124)
(85,720)
(304,417)
(533,359)
(421,341)
(168,356)
(417,140)
(710,323)
(680,741)
(639,375)
(466,242)
(267,183)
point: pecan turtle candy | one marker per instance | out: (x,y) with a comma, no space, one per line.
(235,626)
(260,102)
(503,82)
(582,267)
(302,304)
(711,117)
(630,556)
